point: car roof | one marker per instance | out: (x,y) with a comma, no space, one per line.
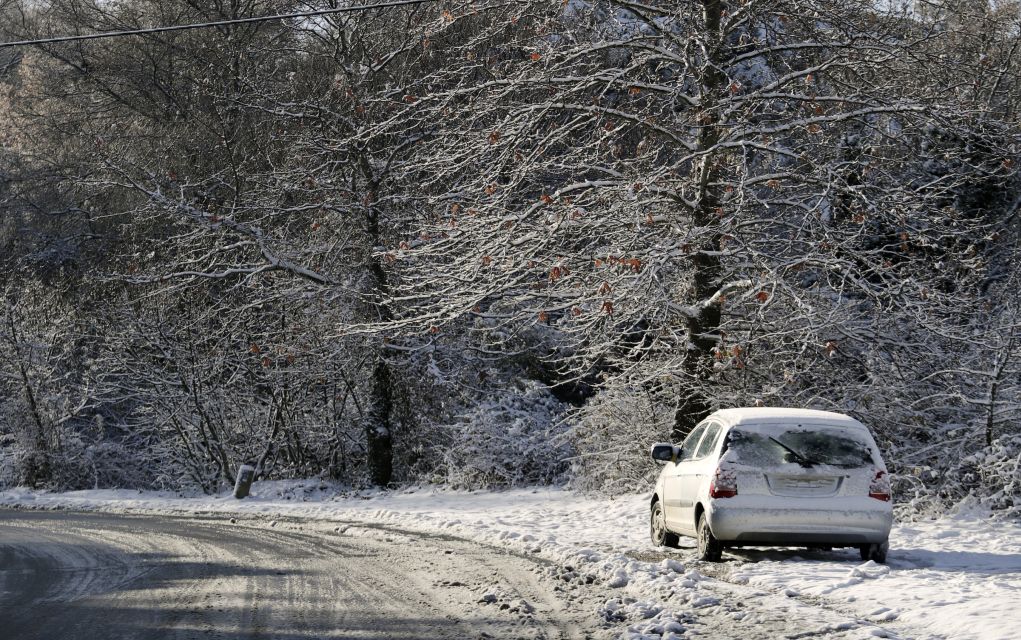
(779,415)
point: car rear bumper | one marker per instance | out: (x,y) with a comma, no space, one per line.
(825,521)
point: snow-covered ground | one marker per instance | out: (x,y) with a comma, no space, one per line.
(957,577)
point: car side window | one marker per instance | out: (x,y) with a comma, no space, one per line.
(691,443)
(712,432)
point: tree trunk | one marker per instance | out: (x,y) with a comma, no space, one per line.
(378,433)
(703,328)
(37,470)
(379,423)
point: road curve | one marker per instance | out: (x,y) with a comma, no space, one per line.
(97,576)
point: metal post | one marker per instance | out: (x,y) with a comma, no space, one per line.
(246,474)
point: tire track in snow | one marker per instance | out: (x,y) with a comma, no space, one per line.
(845,620)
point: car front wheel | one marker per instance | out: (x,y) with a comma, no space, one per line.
(661,536)
(709,548)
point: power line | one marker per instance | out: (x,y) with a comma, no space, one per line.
(206,25)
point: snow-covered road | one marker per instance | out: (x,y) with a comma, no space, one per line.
(69,576)
(957,577)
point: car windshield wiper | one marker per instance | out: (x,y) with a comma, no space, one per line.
(802,460)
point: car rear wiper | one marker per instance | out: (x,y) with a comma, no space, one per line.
(802,460)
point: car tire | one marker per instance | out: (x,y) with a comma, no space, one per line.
(661,536)
(875,552)
(709,548)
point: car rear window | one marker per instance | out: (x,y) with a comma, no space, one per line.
(809,445)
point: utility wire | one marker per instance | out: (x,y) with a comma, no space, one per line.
(206,25)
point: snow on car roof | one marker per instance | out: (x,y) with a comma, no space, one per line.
(748,415)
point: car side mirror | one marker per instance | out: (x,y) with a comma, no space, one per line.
(664,452)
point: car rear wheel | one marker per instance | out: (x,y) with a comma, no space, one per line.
(709,548)
(661,536)
(875,552)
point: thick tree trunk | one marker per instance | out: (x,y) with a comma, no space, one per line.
(378,432)
(379,423)
(703,329)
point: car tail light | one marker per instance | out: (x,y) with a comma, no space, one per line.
(723,484)
(879,488)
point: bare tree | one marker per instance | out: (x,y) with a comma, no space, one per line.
(600,160)
(337,228)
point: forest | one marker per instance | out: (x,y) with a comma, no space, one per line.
(505,242)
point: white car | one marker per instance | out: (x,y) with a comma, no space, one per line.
(787,477)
